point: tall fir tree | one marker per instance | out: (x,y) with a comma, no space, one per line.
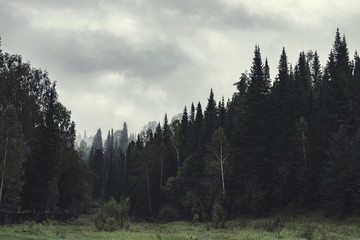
(96,164)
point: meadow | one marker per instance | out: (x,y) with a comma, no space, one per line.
(306,227)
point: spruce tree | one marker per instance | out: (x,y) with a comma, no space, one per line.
(210,118)
(257,169)
(96,164)
(336,196)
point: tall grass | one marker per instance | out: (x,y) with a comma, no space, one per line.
(308,227)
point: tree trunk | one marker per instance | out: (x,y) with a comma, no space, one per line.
(222,170)
(161,172)
(4,165)
(148,190)
(222,178)
(178,159)
(303,147)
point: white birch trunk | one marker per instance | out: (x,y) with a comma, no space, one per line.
(222,160)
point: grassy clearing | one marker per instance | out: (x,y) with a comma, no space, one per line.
(265,229)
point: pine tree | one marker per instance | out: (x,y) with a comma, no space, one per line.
(256,165)
(353,96)
(184,130)
(221,112)
(210,118)
(96,164)
(282,131)
(124,138)
(303,89)
(354,176)
(336,196)
(169,168)
(316,76)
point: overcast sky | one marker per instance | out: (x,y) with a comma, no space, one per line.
(134,60)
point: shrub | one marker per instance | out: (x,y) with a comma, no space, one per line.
(168,214)
(218,215)
(308,232)
(270,225)
(113,216)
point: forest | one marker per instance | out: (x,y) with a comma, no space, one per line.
(285,145)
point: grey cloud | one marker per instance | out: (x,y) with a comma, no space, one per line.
(213,14)
(170,66)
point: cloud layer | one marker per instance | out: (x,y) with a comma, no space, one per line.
(133,61)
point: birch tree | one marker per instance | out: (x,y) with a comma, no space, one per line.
(175,140)
(148,158)
(218,155)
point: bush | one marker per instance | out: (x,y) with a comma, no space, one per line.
(270,225)
(113,216)
(308,232)
(218,215)
(168,214)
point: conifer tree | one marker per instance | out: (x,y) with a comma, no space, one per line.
(257,169)
(316,76)
(96,164)
(335,179)
(221,112)
(124,138)
(210,118)
(303,89)
(184,130)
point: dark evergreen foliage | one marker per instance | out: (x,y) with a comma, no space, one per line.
(289,145)
(45,172)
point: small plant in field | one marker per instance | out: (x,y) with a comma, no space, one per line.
(218,215)
(34,228)
(308,232)
(168,214)
(323,234)
(113,216)
(270,225)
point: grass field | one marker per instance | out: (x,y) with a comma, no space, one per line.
(299,228)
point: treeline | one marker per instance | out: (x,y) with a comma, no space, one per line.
(287,144)
(291,144)
(40,169)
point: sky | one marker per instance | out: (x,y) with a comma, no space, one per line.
(132,61)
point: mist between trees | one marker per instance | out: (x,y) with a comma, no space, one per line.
(288,144)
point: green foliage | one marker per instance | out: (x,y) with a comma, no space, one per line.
(291,144)
(307,232)
(113,216)
(274,225)
(192,201)
(218,215)
(82,229)
(13,150)
(169,214)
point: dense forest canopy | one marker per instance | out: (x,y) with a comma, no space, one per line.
(291,144)
(40,168)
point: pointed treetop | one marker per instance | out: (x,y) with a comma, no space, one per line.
(283,66)
(184,118)
(97,142)
(192,113)
(259,81)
